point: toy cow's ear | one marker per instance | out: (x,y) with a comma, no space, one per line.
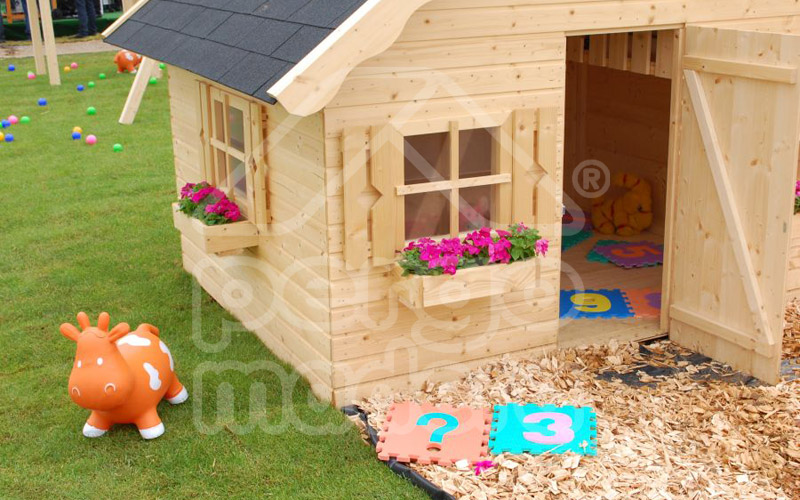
(103,321)
(68,330)
(119,331)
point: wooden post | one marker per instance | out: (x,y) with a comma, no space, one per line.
(36,37)
(137,91)
(49,42)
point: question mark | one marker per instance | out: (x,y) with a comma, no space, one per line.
(450,424)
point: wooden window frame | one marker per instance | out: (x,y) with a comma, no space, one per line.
(501,181)
(209,116)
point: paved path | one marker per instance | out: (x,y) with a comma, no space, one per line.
(7,50)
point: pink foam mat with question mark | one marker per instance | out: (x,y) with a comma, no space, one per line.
(645,302)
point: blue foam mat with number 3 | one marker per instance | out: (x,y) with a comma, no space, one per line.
(543,429)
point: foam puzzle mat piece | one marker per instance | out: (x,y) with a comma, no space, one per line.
(593,256)
(645,302)
(634,254)
(594,304)
(429,434)
(543,429)
(570,240)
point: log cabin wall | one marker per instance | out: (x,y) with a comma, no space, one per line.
(280,289)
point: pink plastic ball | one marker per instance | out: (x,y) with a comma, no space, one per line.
(74,65)
(31,76)
(91,140)
(13,120)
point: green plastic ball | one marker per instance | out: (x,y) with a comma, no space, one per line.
(102,76)
(117,148)
(91,111)
(25,119)
(153,80)
(90,85)
(162,65)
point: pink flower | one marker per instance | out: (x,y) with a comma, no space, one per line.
(187,190)
(521,227)
(542,246)
(498,251)
(503,234)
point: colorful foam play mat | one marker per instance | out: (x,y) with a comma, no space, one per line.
(594,304)
(645,302)
(633,254)
(593,256)
(444,435)
(569,240)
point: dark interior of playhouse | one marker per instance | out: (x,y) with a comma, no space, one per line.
(617,121)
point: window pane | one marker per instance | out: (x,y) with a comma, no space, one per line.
(221,169)
(239,181)
(475,208)
(476,156)
(236,128)
(219,121)
(427,158)
(427,214)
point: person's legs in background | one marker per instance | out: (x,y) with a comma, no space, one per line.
(86,18)
(27,21)
(2,30)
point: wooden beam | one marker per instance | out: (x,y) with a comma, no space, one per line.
(767,72)
(49,42)
(665,42)
(641,52)
(732,335)
(137,91)
(455,194)
(733,222)
(432,187)
(356,214)
(386,165)
(36,37)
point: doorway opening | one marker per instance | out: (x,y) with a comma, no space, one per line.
(616,156)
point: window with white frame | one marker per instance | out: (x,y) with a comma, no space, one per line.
(451,182)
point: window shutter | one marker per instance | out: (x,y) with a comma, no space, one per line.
(386,169)
(257,166)
(535,169)
(356,211)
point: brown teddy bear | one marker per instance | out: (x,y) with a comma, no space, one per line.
(629,214)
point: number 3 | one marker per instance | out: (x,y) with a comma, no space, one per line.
(561,428)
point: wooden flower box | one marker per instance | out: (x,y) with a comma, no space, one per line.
(417,292)
(215,239)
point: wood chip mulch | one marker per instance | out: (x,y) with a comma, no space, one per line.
(677,436)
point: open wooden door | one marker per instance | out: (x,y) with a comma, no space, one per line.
(738,151)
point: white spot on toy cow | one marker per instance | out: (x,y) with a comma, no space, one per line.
(99,361)
(165,350)
(129,56)
(155,382)
(134,340)
(79,363)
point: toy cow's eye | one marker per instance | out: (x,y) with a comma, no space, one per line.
(99,361)
(79,363)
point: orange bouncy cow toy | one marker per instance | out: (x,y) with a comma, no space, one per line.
(121,376)
(127,61)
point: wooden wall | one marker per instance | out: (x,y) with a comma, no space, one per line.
(478,80)
(622,119)
(279,290)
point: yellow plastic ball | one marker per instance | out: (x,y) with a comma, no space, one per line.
(67,69)
(78,130)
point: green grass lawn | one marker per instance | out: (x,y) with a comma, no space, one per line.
(83,228)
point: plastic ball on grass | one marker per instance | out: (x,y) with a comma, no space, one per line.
(42,102)
(161,65)
(13,120)
(90,85)
(9,138)
(117,148)
(80,88)
(102,76)
(5,123)
(31,75)
(74,65)
(25,119)
(91,140)
(76,136)
(67,69)
(77,129)
(153,80)
(11,67)
(91,111)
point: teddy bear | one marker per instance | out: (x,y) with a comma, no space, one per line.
(127,61)
(628,214)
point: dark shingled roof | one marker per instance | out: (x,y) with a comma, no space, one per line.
(247,45)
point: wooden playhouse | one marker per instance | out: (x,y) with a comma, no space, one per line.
(316,115)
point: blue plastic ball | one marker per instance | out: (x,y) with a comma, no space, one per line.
(11,67)
(42,102)
(80,88)
(5,123)
(9,138)
(76,136)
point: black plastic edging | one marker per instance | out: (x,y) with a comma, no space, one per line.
(398,468)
